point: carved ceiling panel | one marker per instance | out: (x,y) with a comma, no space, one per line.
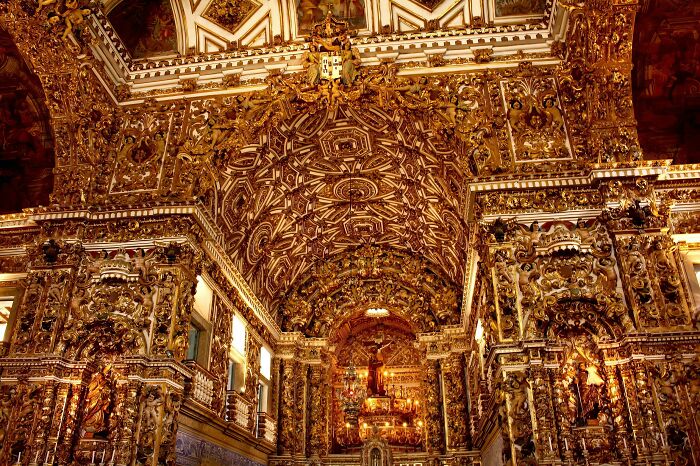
(230,14)
(327,181)
(332,298)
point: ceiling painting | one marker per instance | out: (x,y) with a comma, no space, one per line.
(146,27)
(666,81)
(230,14)
(519,7)
(313,11)
(26,145)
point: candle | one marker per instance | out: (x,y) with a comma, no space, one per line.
(566,445)
(102,461)
(19,456)
(36,458)
(113,452)
(550,444)
(47,456)
(624,442)
(93,458)
(583,441)
(643,444)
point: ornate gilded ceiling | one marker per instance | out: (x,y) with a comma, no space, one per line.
(211,26)
(332,298)
(296,171)
(328,181)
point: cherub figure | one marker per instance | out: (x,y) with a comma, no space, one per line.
(73,16)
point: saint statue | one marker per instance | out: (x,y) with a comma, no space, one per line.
(587,385)
(97,403)
(375,375)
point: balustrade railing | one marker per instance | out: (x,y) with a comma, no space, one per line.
(202,384)
(238,409)
(267,428)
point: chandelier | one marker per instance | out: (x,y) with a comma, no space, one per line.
(352,395)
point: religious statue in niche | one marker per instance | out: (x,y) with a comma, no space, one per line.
(586,387)
(375,375)
(97,404)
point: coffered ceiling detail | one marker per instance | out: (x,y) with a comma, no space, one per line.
(327,181)
(181,37)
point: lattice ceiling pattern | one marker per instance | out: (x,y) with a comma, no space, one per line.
(326,182)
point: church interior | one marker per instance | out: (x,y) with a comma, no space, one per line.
(349,233)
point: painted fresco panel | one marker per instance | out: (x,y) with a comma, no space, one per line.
(666,79)
(146,27)
(519,7)
(312,11)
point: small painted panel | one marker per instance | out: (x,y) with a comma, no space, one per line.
(230,14)
(519,7)
(146,27)
(666,79)
(313,11)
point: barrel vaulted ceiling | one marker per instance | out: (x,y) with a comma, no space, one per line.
(325,183)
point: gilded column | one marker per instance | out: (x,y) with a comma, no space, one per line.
(288,428)
(434,408)
(518,404)
(633,406)
(318,413)
(546,437)
(456,402)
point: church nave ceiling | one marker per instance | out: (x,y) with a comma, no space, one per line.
(327,182)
